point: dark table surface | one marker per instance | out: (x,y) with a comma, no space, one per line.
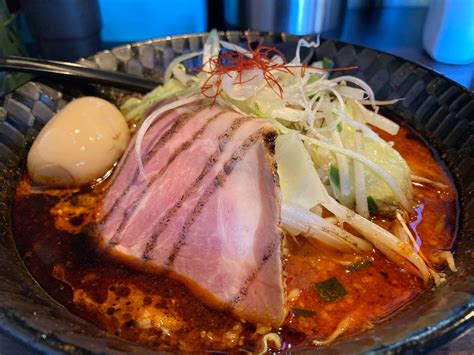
(394,30)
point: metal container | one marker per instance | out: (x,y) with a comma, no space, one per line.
(301,17)
(64,29)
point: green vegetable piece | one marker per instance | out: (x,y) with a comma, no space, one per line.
(360,265)
(303,312)
(328,63)
(330,289)
(312,78)
(334,176)
(373,208)
(339,127)
(258,112)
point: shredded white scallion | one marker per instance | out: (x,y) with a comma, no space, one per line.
(382,239)
(423,180)
(341,328)
(378,120)
(380,102)
(343,167)
(151,119)
(359,126)
(350,92)
(361,83)
(297,220)
(263,346)
(362,206)
(304,43)
(416,244)
(235,48)
(447,257)
(370,164)
(178,60)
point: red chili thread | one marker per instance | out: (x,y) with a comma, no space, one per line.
(258,58)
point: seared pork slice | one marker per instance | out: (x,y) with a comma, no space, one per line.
(207,210)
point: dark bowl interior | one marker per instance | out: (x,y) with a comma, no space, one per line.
(441,110)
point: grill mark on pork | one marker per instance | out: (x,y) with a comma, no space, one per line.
(159,142)
(186,115)
(269,138)
(128,152)
(182,148)
(270,249)
(164,221)
(219,180)
(172,131)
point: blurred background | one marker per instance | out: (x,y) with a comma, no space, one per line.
(438,33)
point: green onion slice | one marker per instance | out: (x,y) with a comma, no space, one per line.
(360,265)
(330,289)
(303,312)
(328,63)
(334,176)
(373,208)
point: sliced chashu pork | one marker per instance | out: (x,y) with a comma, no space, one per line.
(207,210)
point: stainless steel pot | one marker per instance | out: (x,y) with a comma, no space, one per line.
(300,17)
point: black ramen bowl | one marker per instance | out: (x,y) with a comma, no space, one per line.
(438,108)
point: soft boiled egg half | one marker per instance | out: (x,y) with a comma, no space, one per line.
(79,144)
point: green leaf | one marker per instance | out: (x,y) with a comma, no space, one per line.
(330,289)
(303,312)
(360,265)
(339,127)
(334,176)
(373,208)
(328,63)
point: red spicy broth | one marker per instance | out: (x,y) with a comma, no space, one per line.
(159,312)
